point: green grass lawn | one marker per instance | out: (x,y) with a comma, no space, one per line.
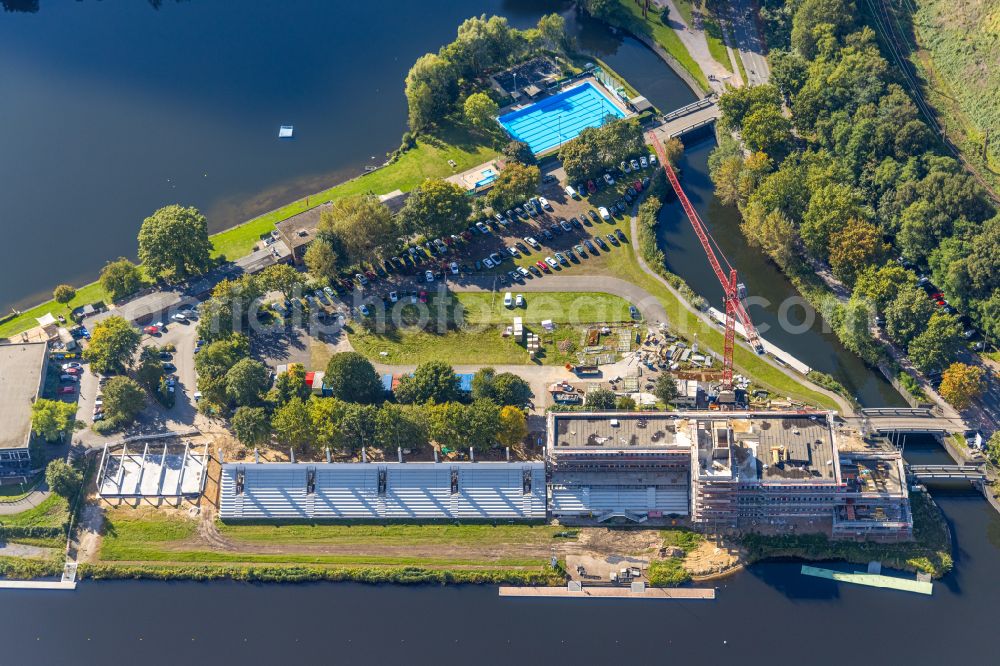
(91,293)
(662,35)
(560,307)
(155,537)
(713,33)
(412,346)
(52,512)
(17,491)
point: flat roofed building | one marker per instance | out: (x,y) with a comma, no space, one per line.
(876,503)
(618,465)
(416,490)
(299,230)
(22,376)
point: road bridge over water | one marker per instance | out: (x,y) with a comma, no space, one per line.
(902,421)
(689,118)
(948,472)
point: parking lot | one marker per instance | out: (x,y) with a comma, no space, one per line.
(564,224)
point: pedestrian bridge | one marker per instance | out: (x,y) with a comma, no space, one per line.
(899,420)
(948,472)
(690,117)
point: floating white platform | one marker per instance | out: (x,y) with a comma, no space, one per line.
(37,585)
(286,131)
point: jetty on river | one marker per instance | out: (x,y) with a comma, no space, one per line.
(636,592)
(871,580)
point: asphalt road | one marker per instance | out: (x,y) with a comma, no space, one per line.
(747,40)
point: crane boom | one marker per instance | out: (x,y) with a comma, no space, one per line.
(730,287)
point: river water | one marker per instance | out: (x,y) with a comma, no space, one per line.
(197,88)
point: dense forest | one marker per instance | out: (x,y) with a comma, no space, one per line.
(839,171)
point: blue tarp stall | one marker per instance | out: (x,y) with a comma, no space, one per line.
(387,383)
(465,382)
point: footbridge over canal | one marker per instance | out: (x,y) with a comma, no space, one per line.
(948,472)
(690,117)
(906,421)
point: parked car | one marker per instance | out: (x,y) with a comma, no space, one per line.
(73,371)
(575,222)
(532,242)
(393,296)
(605,215)
(496,257)
(545,203)
(422,296)
(633,312)
(519,301)
(590,246)
(549,178)
(534,270)
(170,367)
(66,390)
(68,378)
(547,234)
(612,239)
(488,262)
(593,215)
(608,179)
(482,228)
(513,252)
(652,159)
(579,250)
(551,262)
(523,271)
(565,226)
(621,235)
(429,276)
(635,164)
(572,255)
(544,266)
(642,162)
(600,242)
(508,300)
(363,309)
(561,258)
(591,187)
(151,330)
(73,364)
(454,267)
(571,193)
(362,280)
(624,166)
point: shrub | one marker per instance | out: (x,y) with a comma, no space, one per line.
(64,293)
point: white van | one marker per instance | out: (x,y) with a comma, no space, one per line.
(571,193)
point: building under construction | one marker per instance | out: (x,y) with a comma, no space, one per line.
(752,471)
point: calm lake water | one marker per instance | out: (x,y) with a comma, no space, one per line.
(120,108)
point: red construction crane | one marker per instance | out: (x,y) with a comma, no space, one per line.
(734,291)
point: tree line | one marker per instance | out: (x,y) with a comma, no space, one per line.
(855,180)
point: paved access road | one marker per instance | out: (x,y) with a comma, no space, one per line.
(747,40)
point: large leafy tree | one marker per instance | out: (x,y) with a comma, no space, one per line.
(352,378)
(246,382)
(53,419)
(509,389)
(481,424)
(327,415)
(63,479)
(173,243)
(481,110)
(855,247)
(63,293)
(113,342)
(436,208)
(252,425)
(431,86)
(936,345)
(213,362)
(907,315)
(515,184)
(400,426)
(322,260)
(292,424)
(766,130)
(123,399)
(881,284)
(290,384)
(282,278)
(120,278)
(513,426)
(961,384)
(600,399)
(357,426)
(431,381)
(150,370)
(665,388)
(830,209)
(362,225)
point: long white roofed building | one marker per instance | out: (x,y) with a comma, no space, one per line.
(384,490)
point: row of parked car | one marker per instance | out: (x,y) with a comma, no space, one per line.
(625,168)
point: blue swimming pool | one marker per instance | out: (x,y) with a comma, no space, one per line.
(559,118)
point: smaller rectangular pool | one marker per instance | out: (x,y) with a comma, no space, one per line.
(555,120)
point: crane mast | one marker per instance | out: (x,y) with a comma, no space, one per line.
(733,291)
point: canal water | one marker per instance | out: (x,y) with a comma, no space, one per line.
(194,92)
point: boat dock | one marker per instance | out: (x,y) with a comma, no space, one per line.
(871,580)
(770,348)
(37,585)
(610,592)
